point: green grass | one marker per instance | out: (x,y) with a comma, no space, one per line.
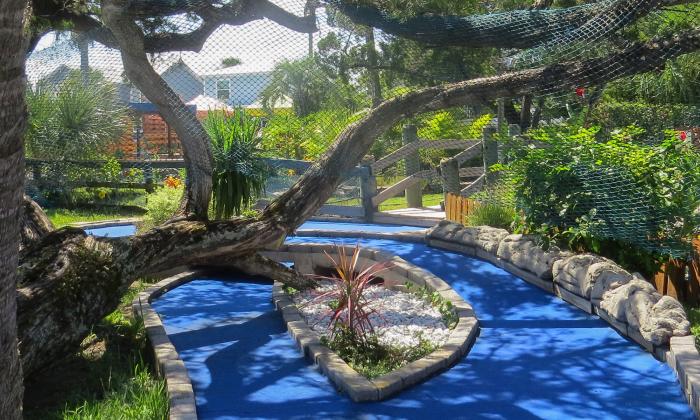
(108,379)
(395,203)
(62,217)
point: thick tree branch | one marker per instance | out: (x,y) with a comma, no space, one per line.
(195,141)
(230,13)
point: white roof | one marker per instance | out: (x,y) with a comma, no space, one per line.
(208,103)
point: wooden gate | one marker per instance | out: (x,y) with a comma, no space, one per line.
(457,208)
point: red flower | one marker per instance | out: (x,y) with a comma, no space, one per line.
(580,92)
(682,135)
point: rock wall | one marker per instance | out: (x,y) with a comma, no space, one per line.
(593,283)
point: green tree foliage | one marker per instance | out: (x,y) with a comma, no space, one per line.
(289,136)
(239,174)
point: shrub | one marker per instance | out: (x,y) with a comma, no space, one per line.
(161,205)
(491,214)
(350,313)
(582,191)
(239,174)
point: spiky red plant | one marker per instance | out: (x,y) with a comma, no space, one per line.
(349,285)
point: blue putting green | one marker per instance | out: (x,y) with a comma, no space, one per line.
(537,357)
(114,231)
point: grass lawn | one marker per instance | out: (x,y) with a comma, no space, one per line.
(396,202)
(107,379)
(62,217)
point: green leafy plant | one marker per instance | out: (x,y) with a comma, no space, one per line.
(161,205)
(239,174)
(369,357)
(619,193)
(449,316)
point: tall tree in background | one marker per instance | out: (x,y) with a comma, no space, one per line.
(12,125)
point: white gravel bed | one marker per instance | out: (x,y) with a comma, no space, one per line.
(400,318)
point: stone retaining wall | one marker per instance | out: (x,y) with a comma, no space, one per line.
(167,361)
(592,283)
(309,257)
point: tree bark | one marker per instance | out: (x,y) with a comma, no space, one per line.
(70,281)
(12,125)
(194,139)
(35,224)
(375,84)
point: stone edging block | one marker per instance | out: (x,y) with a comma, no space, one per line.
(359,388)
(168,364)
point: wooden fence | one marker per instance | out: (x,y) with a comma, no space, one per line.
(457,208)
(681,279)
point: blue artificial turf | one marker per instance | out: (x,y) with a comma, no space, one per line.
(537,356)
(114,231)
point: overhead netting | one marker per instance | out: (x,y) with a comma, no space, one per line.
(600,145)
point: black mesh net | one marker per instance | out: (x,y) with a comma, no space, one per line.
(270,85)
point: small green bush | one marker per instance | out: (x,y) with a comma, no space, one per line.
(491,214)
(160,206)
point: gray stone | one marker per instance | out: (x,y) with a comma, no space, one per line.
(574,299)
(620,326)
(667,319)
(614,301)
(571,273)
(523,252)
(486,238)
(603,277)
(444,230)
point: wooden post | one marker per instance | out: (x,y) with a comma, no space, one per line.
(170,144)
(148,178)
(490,149)
(368,189)
(449,172)
(414,195)
(501,115)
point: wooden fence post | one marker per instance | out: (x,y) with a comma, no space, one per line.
(414,195)
(148,178)
(490,148)
(368,189)
(449,172)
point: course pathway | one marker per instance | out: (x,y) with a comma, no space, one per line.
(536,357)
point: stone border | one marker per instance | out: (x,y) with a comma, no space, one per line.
(306,257)
(168,364)
(487,243)
(683,357)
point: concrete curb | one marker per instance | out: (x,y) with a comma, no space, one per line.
(306,257)
(168,364)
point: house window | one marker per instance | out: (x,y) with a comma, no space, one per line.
(223,90)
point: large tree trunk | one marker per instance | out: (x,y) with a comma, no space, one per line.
(12,125)
(70,281)
(195,141)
